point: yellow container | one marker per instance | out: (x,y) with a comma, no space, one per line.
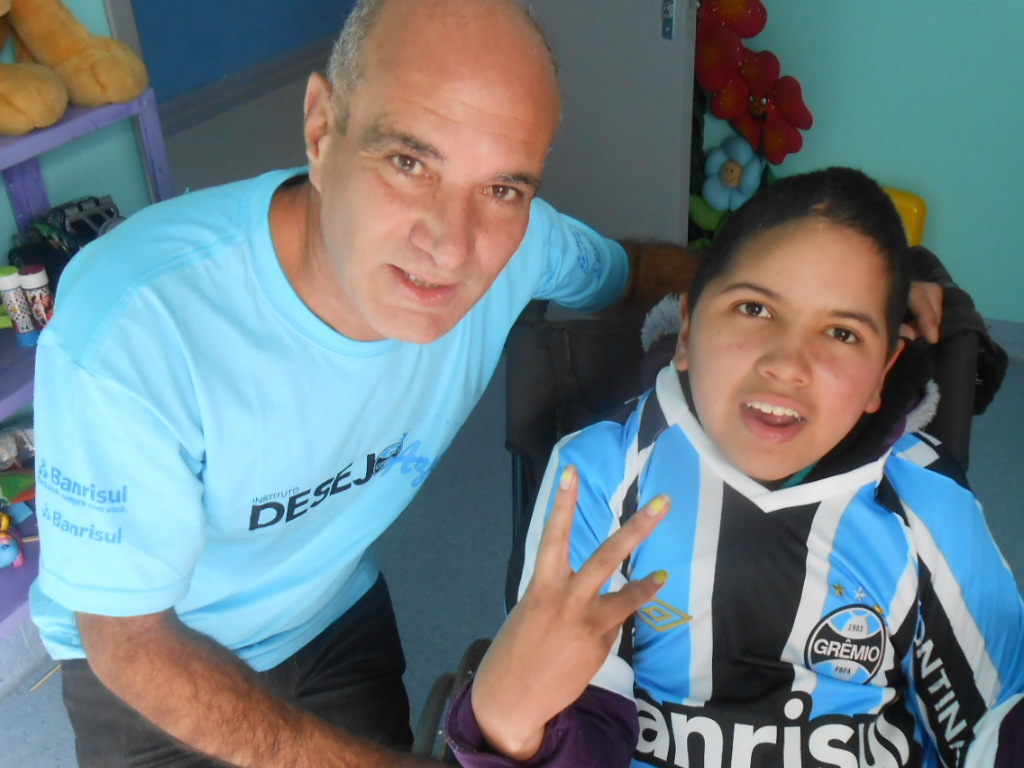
(912,210)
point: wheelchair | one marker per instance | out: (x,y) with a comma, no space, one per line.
(567,370)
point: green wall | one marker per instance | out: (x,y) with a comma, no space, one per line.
(928,96)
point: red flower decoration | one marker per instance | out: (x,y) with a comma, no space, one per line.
(744,17)
(767,110)
(718,56)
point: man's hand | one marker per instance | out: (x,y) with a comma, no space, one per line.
(656,269)
(926,311)
(560,633)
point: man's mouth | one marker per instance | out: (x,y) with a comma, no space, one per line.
(418,282)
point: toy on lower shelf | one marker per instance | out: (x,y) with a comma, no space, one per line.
(15,582)
(16,487)
(10,544)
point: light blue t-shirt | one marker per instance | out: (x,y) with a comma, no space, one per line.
(205,442)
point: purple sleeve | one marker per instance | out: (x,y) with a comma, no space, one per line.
(598,731)
(1011,738)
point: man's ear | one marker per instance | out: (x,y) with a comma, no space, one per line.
(319,122)
(876,398)
(681,358)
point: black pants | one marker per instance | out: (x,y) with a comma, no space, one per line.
(350,675)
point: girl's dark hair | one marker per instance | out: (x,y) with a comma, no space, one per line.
(843,196)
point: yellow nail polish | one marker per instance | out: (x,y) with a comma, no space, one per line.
(660,577)
(566,479)
(658,505)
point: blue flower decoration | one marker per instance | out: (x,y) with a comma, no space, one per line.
(733,174)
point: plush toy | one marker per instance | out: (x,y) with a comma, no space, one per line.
(59,61)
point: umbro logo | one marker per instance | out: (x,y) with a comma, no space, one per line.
(662,617)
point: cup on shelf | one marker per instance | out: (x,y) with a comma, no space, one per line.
(17,306)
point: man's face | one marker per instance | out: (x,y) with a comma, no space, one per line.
(788,347)
(425,192)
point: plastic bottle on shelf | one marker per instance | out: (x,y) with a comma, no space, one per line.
(17,306)
(36,286)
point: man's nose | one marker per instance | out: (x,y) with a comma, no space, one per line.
(447,228)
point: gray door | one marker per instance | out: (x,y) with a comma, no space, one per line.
(621,159)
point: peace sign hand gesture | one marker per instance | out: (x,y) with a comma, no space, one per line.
(561,631)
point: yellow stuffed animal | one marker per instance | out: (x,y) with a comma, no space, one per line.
(59,61)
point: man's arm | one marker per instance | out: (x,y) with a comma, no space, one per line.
(201,694)
(656,270)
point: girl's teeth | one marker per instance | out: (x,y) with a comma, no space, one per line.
(774,410)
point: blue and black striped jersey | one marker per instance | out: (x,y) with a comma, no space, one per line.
(863,619)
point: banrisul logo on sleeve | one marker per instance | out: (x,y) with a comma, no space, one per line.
(848,644)
(83,493)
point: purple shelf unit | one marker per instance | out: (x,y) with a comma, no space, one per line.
(17,365)
(18,154)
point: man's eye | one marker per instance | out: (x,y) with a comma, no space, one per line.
(408,165)
(754,309)
(505,194)
(844,335)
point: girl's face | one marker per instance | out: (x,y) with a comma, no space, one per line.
(787,348)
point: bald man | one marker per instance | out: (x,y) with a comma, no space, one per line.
(243,387)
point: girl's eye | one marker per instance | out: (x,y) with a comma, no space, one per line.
(844,335)
(408,165)
(754,309)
